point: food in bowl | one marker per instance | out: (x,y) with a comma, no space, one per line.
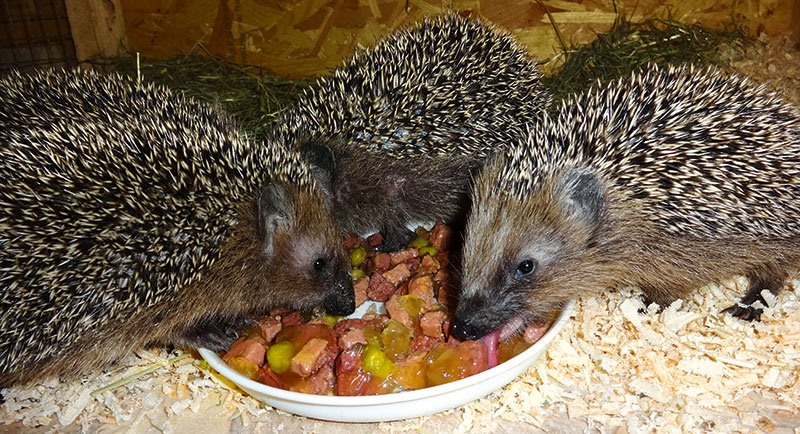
(407,348)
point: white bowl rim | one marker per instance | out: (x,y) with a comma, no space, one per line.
(216,362)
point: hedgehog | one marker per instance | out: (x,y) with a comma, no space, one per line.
(668,180)
(410,120)
(131,216)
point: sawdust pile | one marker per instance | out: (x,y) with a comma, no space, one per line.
(687,367)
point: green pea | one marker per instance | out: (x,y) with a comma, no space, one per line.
(357,273)
(331,320)
(279,356)
(428,250)
(375,361)
(357,256)
(418,242)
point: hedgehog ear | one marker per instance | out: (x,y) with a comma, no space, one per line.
(274,208)
(582,195)
(323,165)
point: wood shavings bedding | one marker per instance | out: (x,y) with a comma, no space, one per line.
(687,367)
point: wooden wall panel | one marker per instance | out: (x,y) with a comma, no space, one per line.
(97,27)
(300,38)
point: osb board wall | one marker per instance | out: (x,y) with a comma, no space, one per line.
(301,38)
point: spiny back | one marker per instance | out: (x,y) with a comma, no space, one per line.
(113,196)
(705,153)
(446,84)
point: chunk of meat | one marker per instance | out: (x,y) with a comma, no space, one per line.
(422,287)
(321,381)
(249,349)
(440,237)
(534,332)
(446,293)
(396,312)
(269,327)
(360,287)
(309,358)
(375,239)
(423,344)
(380,262)
(397,275)
(467,358)
(404,255)
(476,355)
(291,319)
(412,264)
(269,377)
(349,361)
(429,265)
(357,383)
(353,241)
(351,338)
(431,323)
(350,323)
(446,326)
(379,288)
(443,259)
(411,372)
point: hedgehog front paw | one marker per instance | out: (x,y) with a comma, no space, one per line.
(647,300)
(746,313)
(215,334)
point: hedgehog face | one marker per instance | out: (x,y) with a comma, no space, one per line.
(322,270)
(518,253)
(308,263)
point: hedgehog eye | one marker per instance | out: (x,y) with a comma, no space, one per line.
(526,267)
(319,264)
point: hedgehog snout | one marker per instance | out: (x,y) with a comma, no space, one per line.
(473,318)
(464,330)
(340,298)
(339,302)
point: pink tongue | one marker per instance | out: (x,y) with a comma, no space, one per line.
(490,341)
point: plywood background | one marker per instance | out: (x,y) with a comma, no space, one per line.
(302,38)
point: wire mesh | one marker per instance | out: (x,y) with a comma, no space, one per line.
(35,33)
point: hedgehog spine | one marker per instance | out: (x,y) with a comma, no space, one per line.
(130,215)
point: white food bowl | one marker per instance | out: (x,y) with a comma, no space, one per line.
(395,406)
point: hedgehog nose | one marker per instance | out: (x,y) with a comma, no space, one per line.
(337,305)
(341,301)
(464,331)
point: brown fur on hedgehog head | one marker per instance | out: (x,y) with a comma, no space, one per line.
(526,257)
(667,180)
